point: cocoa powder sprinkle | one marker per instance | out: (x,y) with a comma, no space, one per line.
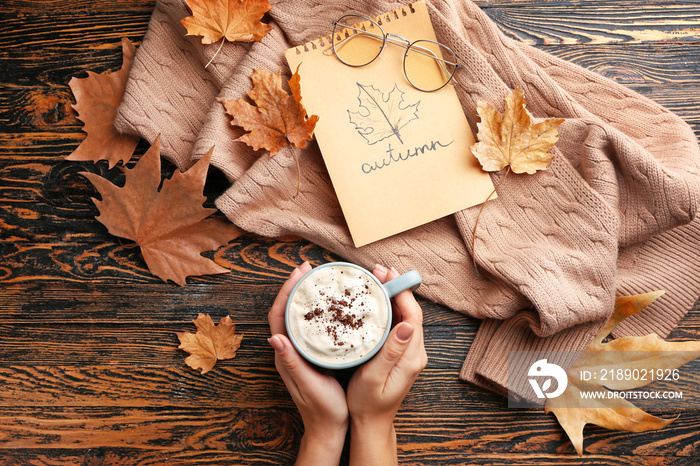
(340,317)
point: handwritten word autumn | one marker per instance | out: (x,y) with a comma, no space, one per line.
(398,156)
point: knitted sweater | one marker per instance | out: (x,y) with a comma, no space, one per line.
(614,214)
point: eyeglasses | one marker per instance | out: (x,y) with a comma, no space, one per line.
(427,65)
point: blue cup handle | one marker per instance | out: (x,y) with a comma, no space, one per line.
(402,282)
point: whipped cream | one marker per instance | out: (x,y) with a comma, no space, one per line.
(338,314)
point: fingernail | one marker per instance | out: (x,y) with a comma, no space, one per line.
(405,332)
(295,273)
(380,268)
(276,343)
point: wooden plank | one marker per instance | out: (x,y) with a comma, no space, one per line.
(108,456)
(536,23)
(86,260)
(599,23)
(116,344)
(528,431)
(157,345)
(250,383)
(438,390)
(172,430)
(162,429)
(36,31)
(246,296)
(61,7)
(132,457)
(143,387)
(635,64)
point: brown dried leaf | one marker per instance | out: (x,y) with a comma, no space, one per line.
(170,226)
(211,343)
(97,99)
(277,118)
(510,140)
(234,20)
(640,353)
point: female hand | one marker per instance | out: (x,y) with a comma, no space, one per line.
(377,388)
(319,397)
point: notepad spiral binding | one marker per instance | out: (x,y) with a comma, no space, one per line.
(325,41)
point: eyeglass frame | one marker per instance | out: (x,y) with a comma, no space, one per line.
(394,39)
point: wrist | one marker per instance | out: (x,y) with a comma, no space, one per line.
(322,446)
(372,425)
(372,442)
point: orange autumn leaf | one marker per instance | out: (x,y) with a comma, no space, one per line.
(586,399)
(211,342)
(276,118)
(97,99)
(233,20)
(170,226)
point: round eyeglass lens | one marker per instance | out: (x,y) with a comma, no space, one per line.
(428,65)
(357,40)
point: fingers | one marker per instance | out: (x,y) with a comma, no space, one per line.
(295,370)
(409,307)
(394,348)
(407,310)
(380,272)
(276,315)
(406,307)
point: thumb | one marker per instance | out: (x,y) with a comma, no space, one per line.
(393,349)
(290,358)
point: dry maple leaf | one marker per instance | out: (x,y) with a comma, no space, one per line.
(512,141)
(233,20)
(210,343)
(585,399)
(97,98)
(276,119)
(170,226)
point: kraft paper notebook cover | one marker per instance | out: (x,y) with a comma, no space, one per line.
(404,162)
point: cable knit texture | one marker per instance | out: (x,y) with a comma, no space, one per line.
(614,213)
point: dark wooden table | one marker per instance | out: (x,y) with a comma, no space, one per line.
(90,372)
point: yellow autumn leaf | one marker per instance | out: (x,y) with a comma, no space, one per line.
(586,400)
(510,140)
(234,20)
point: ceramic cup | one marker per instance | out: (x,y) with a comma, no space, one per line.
(339,314)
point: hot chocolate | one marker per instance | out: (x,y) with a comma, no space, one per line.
(338,314)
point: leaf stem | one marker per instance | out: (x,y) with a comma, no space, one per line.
(296,159)
(223,39)
(479,216)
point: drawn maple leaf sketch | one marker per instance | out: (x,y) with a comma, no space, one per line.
(382,115)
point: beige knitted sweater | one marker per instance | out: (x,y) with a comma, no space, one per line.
(613,215)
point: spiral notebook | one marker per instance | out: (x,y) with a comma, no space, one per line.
(400,168)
